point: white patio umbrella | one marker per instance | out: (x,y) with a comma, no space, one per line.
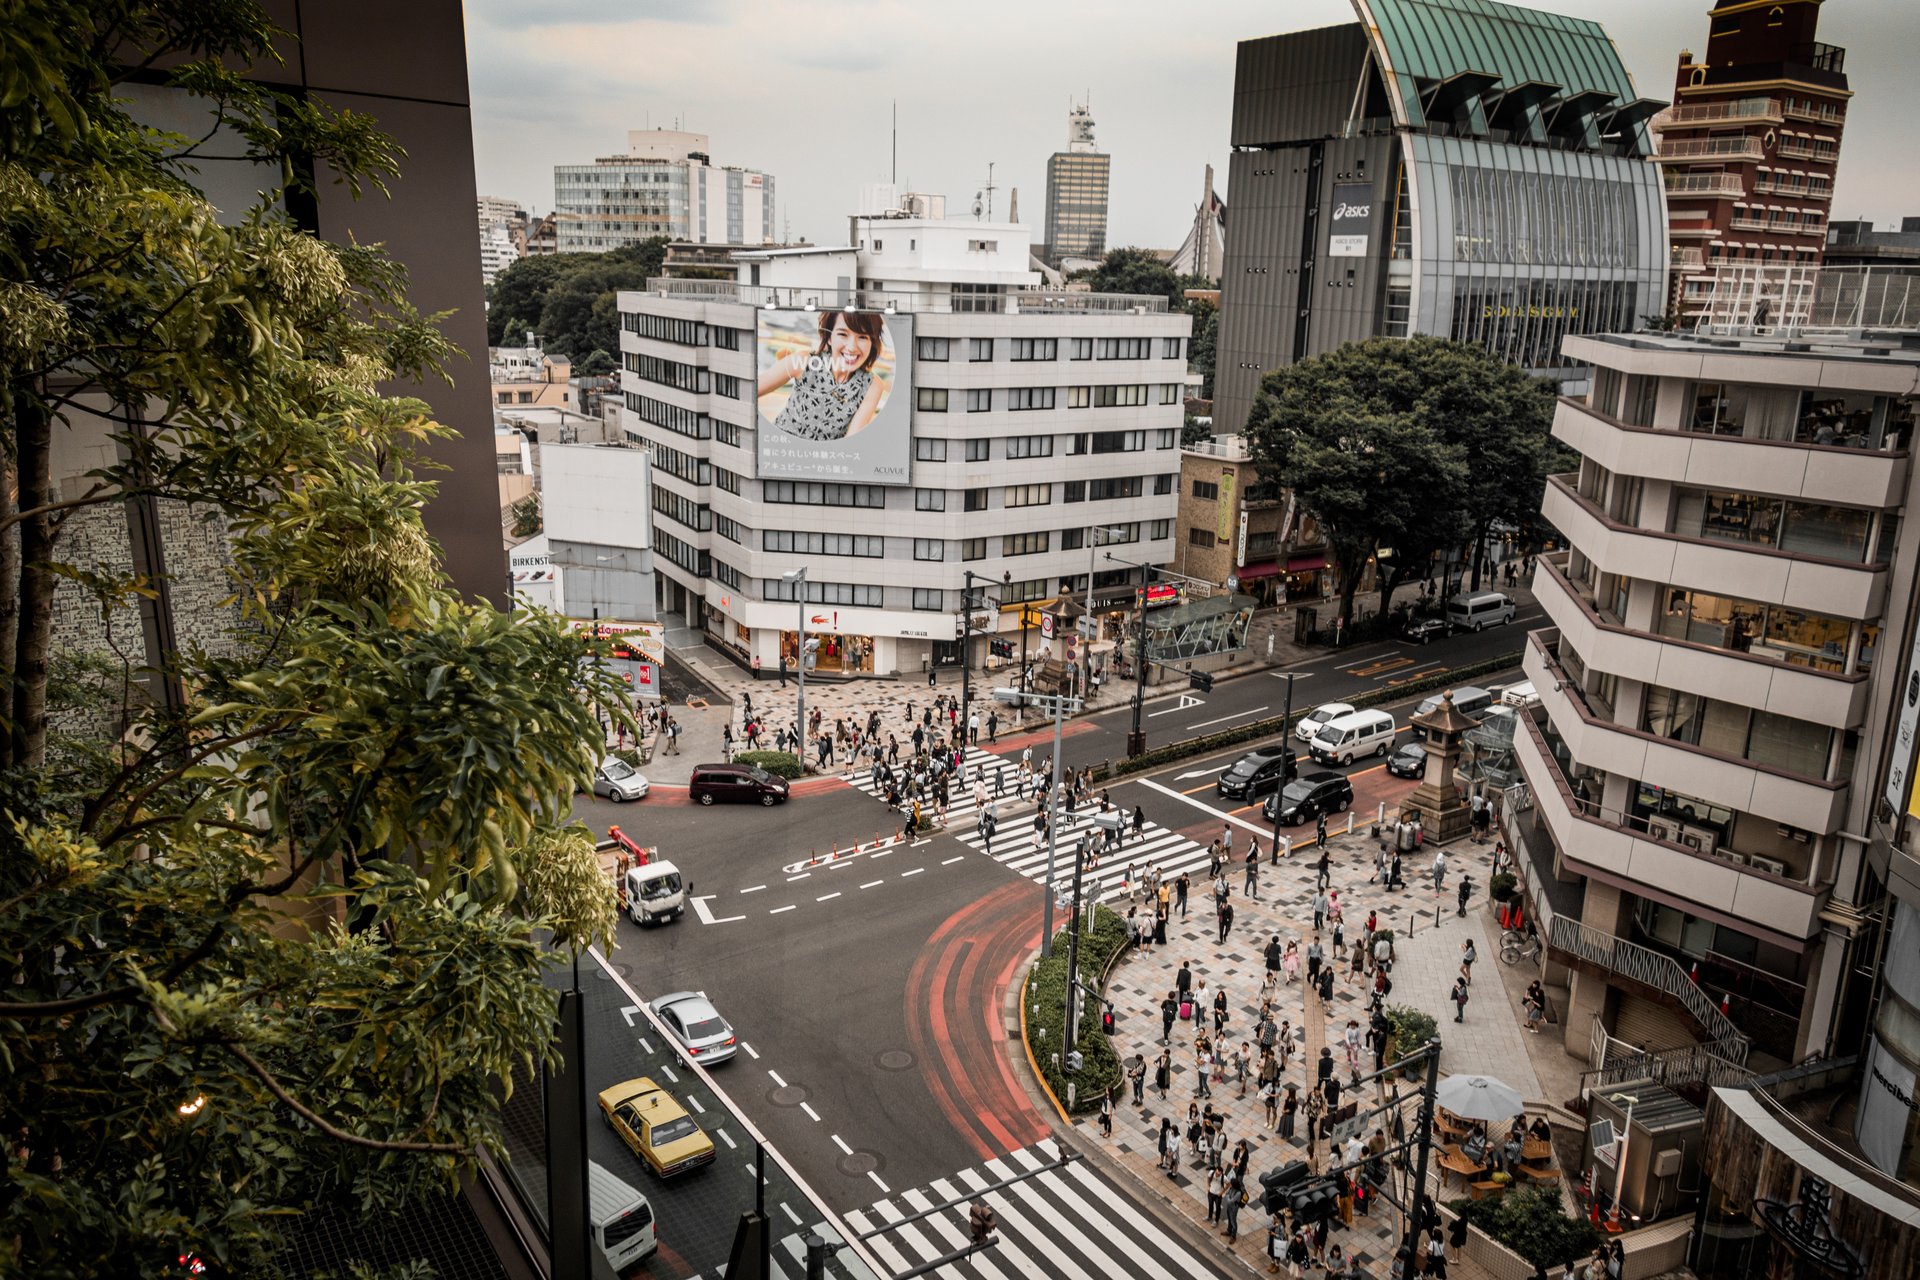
(1479,1098)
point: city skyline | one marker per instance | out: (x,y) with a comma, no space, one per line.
(562,83)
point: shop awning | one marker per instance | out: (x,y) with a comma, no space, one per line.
(1253,572)
(1306,564)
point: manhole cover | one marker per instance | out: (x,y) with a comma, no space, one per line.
(895,1060)
(858,1165)
(620,967)
(787,1095)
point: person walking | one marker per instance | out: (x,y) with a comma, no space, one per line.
(1216,1185)
(1466,891)
(783,669)
(1315,958)
(1169,1013)
(1252,886)
(1460,1000)
(1163,1072)
(1180,888)
(973,728)
(1440,871)
(1139,823)
(1319,909)
(1467,956)
(1226,919)
(1339,939)
(1232,1191)
(1320,833)
(1106,1114)
(1137,1076)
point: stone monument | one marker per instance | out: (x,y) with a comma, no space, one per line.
(1443,810)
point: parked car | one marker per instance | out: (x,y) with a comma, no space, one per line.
(618,781)
(1472,610)
(1421,630)
(1364,733)
(1256,773)
(1315,720)
(1308,796)
(653,1123)
(1469,700)
(1520,695)
(1409,761)
(741,782)
(706,1037)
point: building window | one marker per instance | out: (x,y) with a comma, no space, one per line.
(1399,311)
(1079,397)
(927,599)
(929,549)
(1025,544)
(1028,495)
(680,421)
(979,399)
(1109,397)
(1029,446)
(930,399)
(668,373)
(979,349)
(1206,489)
(1163,483)
(728,529)
(1114,487)
(723,571)
(1806,528)
(929,449)
(1030,398)
(931,348)
(687,333)
(870,546)
(503,397)
(1119,441)
(929,499)
(1169,393)
(728,480)
(1036,348)
(727,385)
(973,548)
(976,500)
(979,450)
(1161,529)
(727,433)
(724,338)
(846,593)
(1073,539)
(1073,491)
(1166,438)
(1170,348)
(1124,349)
(806,493)
(525,397)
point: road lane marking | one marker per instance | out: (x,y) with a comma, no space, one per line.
(750,1052)
(792,1214)
(705,912)
(802,876)
(628,1012)
(667,1071)
(724,1137)
(840,1142)
(811,1113)
(777,910)
(1250,711)
(878,1183)
(775,1077)
(871,883)
(1203,773)
(916,871)
(1186,700)
(646,1045)
(757,888)
(1205,808)
(883,853)
(826,897)
(696,1104)
(950,861)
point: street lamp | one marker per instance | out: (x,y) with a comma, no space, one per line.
(1062,706)
(1286,744)
(966,645)
(798,577)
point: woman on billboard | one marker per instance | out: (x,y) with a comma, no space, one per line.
(834,393)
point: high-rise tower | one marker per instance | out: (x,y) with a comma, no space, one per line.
(1077,194)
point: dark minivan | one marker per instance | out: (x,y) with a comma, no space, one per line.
(744,782)
(1256,773)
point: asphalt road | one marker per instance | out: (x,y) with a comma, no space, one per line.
(868,988)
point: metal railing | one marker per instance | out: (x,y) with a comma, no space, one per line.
(1613,1062)
(1712,112)
(1705,184)
(1687,259)
(1653,969)
(1763,187)
(1710,149)
(1819,114)
(1011,302)
(1791,150)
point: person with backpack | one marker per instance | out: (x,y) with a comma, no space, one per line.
(1460,1000)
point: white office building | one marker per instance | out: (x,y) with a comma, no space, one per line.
(1041,423)
(665,185)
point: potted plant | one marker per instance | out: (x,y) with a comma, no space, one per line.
(1412,1028)
(1501,887)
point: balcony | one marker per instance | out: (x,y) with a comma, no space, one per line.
(1763,683)
(1846,473)
(1818,585)
(1687,259)
(1741,222)
(1815,112)
(1685,150)
(1766,188)
(1790,149)
(1811,804)
(1683,185)
(1756,110)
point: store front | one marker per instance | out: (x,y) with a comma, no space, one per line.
(1262,581)
(1304,578)
(831,653)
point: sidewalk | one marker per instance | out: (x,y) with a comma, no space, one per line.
(1490,1041)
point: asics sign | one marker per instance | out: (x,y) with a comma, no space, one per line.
(1347,229)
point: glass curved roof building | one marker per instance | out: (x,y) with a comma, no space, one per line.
(1462,168)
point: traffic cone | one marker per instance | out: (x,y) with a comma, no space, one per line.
(1506,916)
(1693,974)
(1725,1001)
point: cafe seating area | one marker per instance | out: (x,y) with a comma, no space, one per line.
(1473,1154)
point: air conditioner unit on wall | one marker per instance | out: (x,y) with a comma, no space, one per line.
(1773,865)
(1721,851)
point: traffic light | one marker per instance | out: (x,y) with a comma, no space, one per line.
(1201,680)
(980,1221)
(1000,648)
(1275,1184)
(960,627)
(1314,1202)
(1106,1021)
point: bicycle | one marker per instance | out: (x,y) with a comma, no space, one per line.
(1516,944)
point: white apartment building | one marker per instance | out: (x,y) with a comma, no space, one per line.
(665,185)
(1037,417)
(1718,685)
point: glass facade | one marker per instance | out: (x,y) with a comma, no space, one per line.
(1077,205)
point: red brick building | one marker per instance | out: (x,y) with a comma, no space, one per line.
(1750,145)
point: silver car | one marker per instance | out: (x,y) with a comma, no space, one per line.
(704,1036)
(617,781)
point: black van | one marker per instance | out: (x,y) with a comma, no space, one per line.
(743,782)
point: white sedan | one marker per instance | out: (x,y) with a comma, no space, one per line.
(617,781)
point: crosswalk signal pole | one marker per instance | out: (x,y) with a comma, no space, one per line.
(1073,952)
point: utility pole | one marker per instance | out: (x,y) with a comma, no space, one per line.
(1137,739)
(1062,706)
(1286,740)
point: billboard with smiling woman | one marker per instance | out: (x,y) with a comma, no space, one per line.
(836,396)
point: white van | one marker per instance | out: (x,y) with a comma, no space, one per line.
(1359,734)
(1317,719)
(656,892)
(1521,695)
(1472,610)
(621,1217)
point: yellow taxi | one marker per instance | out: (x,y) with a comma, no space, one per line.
(656,1126)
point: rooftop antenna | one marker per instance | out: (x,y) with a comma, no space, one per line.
(990,190)
(896,144)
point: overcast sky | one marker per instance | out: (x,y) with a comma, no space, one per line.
(804,91)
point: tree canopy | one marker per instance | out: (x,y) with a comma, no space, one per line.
(1135,270)
(270,944)
(570,299)
(1413,446)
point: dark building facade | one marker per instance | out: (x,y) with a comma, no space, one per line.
(1077,191)
(1453,167)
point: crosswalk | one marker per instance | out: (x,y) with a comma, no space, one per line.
(1013,844)
(1067,1223)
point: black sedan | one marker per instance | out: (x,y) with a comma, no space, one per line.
(1309,796)
(1409,761)
(1421,630)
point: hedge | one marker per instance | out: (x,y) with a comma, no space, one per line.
(1188,747)
(781,764)
(1046,988)
(1532,1222)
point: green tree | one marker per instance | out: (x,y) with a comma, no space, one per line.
(274,949)
(1135,270)
(571,300)
(526,516)
(1383,442)
(1203,347)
